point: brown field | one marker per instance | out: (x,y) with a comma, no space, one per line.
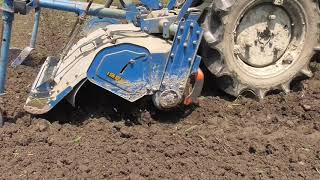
(108,138)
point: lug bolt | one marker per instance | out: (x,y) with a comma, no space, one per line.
(248,44)
(237,49)
(270,43)
(272,17)
(277,49)
(287,61)
(278,2)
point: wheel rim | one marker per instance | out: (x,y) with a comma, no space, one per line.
(268,39)
(263,35)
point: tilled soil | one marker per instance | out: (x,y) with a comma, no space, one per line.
(108,138)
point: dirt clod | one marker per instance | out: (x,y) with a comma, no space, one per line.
(42,125)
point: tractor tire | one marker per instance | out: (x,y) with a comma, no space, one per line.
(259,45)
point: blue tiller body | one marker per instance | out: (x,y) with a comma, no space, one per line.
(154,56)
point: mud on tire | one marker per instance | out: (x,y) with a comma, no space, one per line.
(261,46)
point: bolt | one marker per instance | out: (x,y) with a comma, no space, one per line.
(277,49)
(278,2)
(287,61)
(248,44)
(145,29)
(172,55)
(198,32)
(292,24)
(237,49)
(272,17)
(181,27)
(185,44)
(195,42)
(179,37)
(191,25)
(190,60)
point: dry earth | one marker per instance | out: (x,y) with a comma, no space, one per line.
(108,138)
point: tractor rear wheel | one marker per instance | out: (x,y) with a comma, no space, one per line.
(261,45)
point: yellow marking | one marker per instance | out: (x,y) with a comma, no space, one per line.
(117,78)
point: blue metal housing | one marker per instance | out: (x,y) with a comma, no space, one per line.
(125,69)
(152,4)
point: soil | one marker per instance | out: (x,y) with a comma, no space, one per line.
(108,138)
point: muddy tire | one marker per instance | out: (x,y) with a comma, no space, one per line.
(258,46)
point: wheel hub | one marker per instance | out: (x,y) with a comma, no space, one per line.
(263,35)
